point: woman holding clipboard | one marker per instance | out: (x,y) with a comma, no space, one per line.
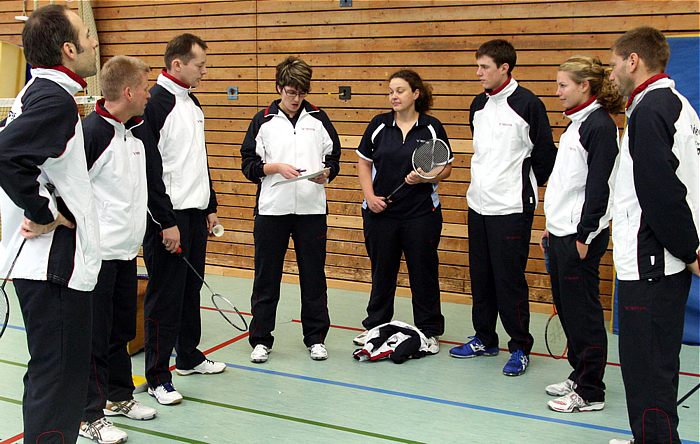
(289,138)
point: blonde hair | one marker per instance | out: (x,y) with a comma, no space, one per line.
(591,69)
(120,72)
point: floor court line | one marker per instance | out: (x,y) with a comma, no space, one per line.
(344,327)
(374,390)
(13,439)
(301,420)
(439,400)
(230,407)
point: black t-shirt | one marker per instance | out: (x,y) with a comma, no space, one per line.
(383,145)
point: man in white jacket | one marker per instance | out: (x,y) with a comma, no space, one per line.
(182,206)
(656,207)
(513,154)
(47,206)
(117,167)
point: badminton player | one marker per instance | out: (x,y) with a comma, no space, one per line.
(513,154)
(182,205)
(117,166)
(411,222)
(577,207)
(41,148)
(286,138)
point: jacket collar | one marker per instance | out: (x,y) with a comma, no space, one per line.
(581,112)
(113,120)
(274,109)
(172,84)
(503,91)
(61,75)
(655,82)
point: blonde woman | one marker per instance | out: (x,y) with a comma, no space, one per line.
(577,208)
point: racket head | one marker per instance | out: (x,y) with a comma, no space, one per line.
(4,309)
(555,338)
(229,312)
(430,158)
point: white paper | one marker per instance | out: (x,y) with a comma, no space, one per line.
(303,177)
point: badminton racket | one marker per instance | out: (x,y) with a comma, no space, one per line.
(428,160)
(222,305)
(5,302)
(554,336)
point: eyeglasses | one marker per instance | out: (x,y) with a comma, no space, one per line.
(294,94)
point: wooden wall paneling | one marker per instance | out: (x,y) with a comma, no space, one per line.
(359,47)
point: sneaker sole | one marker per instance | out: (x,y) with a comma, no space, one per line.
(85,435)
(591,408)
(514,374)
(177,401)
(192,372)
(319,358)
(472,356)
(258,360)
(111,413)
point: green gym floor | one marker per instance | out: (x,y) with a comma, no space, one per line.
(293,399)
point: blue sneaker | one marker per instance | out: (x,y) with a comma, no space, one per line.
(517,364)
(472,349)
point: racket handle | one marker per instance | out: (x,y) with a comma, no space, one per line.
(545,247)
(388,198)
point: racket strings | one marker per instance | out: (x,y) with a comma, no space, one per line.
(430,158)
(5,300)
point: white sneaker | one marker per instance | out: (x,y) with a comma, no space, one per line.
(165,394)
(102,431)
(318,352)
(433,345)
(131,408)
(621,441)
(574,403)
(560,388)
(206,367)
(260,354)
(360,339)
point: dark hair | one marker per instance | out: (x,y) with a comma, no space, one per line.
(180,47)
(425,97)
(501,51)
(591,69)
(648,43)
(294,72)
(44,34)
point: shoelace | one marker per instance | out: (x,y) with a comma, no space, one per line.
(95,427)
(123,406)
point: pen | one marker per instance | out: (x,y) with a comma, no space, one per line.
(300,170)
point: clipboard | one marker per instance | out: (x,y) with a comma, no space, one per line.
(302,177)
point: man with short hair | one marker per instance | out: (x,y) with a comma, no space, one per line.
(116,164)
(656,206)
(513,154)
(182,205)
(48,212)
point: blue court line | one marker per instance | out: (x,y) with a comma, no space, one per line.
(430,399)
(16,327)
(439,401)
